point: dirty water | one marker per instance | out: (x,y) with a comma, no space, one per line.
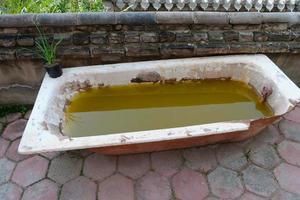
(149,106)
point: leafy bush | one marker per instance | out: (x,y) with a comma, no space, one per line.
(49,6)
(6,109)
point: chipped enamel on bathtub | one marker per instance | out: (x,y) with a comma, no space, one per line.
(43,130)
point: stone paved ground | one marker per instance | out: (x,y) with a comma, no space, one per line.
(264,167)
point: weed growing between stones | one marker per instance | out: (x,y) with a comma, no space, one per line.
(7,109)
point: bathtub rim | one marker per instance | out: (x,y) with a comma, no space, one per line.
(36,139)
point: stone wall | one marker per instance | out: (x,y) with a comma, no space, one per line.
(98,38)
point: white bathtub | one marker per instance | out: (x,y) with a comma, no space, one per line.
(43,133)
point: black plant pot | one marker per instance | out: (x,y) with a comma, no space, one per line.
(54,70)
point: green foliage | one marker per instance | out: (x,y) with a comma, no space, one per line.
(6,109)
(46,49)
(49,6)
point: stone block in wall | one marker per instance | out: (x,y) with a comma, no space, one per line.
(7,40)
(7,54)
(248,27)
(131,27)
(109,54)
(118,27)
(142,50)
(132,36)
(183,37)
(64,38)
(211,49)
(177,50)
(249,47)
(73,52)
(275,26)
(280,36)
(200,37)
(27,53)
(9,30)
(99,38)
(116,37)
(81,38)
(214,36)
(167,36)
(294,47)
(296,36)
(295,27)
(245,36)
(260,37)
(274,47)
(149,37)
(25,40)
(175,27)
(231,36)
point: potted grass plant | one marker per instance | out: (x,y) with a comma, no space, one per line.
(46,49)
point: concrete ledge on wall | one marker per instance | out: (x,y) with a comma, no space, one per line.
(146,18)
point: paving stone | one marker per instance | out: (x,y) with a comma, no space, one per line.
(225,183)
(259,181)
(13,117)
(294,115)
(291,130)
(79,189)
(43,190)
(64,168)
(14,130)
(6,169)
(269,135)
(250,196)
(153,186)
(134,165)
(202,159)
(189,185)
(123,186)
(27,114)
(290,152)
(166,163)
(51,155)
(211,198)
(30,171)
(231,156)
(12,152)
(10,191)
(288,177)
(3,146)
(98,167)
(283,195)
(265,156)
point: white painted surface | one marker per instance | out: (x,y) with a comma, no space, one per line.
(42,132)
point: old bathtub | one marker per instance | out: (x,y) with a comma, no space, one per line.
(43,131)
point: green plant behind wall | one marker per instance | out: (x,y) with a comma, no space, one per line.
(49,6)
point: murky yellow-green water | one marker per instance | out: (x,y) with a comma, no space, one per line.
(148,106)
